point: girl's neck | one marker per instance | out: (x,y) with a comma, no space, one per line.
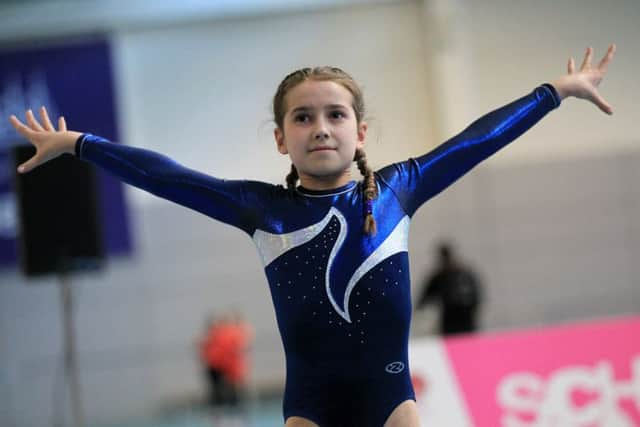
(311,182)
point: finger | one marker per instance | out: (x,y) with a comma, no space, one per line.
(32,122)
(571,66)
(586,63)
(62,124)
(602,104)
(604,63)
(29,165)
(20,127)
(45,119)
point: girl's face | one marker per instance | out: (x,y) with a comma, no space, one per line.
(321,133)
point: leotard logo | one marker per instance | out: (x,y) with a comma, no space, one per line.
(394,367)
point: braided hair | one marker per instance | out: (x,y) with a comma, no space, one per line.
(336,75)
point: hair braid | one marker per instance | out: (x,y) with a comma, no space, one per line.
(292,178)
(370,191)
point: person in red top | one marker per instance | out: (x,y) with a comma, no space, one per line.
(224,351)
(210,358)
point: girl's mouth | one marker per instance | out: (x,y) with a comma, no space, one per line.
(322,149)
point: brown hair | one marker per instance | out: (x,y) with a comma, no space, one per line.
(338,76)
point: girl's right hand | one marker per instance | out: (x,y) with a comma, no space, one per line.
(49,142)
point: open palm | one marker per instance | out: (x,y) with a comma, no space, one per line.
(49,142)
(584,82)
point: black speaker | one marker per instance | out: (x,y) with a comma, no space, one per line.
(58,215)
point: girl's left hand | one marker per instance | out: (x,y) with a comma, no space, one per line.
(584,82)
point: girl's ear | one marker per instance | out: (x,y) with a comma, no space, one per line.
(279,137)
(362,133)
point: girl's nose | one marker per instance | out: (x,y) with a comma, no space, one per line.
(321,135)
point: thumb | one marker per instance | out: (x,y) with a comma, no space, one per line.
(29,165)
(602,104)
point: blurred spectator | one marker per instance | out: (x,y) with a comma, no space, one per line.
(457,291)
(209,356)
(224,351)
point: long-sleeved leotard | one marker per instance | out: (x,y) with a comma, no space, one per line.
(342,298)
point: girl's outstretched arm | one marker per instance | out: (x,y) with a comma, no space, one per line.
(417,180)
(234,202)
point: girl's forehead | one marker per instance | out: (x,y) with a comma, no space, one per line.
(315,94)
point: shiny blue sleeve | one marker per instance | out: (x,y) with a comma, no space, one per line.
(234,202)
(419,179)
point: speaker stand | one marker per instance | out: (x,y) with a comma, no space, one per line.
(70,356)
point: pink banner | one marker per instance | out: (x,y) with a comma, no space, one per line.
(583,375)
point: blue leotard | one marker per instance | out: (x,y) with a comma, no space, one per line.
(342,298)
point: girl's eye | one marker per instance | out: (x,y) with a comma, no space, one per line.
(337,115)
(302,118)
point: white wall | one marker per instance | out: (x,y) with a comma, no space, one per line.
(521,43)
(201,94)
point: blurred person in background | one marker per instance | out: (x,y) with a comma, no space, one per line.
(457,291)
(210,360)
(224,352)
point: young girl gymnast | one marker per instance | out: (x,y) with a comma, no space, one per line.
(334,250)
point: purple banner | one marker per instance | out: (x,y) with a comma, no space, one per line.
(73,79)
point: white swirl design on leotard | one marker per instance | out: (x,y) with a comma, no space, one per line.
(396,242)
(271,246)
